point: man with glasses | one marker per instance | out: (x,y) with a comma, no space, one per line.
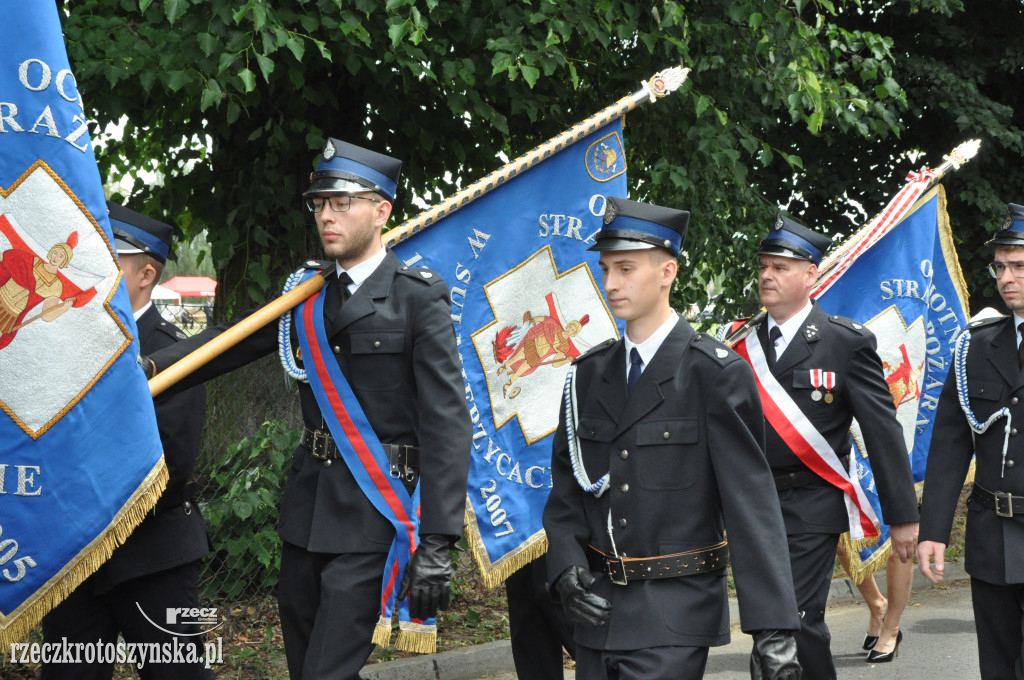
(396,414)
(981,390)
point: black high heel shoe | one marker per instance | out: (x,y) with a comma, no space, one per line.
(869,642)
(886,657)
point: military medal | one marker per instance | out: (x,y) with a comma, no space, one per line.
(830,382)
(816,383)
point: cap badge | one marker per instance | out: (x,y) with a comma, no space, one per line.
(609,211)
(1008,222)
(329,151)
(778,222)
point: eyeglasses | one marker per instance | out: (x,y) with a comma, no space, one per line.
(996,269)
(339,202)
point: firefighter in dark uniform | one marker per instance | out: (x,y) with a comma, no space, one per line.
(659,452)
(390,330)
(798,337)
(990,385)
(158,565)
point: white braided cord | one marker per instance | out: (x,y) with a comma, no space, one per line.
(963,343)
(284,334)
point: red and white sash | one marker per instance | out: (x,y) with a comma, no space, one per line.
(806,442)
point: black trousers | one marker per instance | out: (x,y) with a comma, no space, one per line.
(89,618)
(537,623)
(329,606)
(813,558)
(998,617)
(653,663)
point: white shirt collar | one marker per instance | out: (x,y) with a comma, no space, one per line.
(649,347)
(360,272)
(138,314)
(1017,321)
(791,326)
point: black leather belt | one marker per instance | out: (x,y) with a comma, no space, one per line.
(621,570)
(1003,503)
(174,498)
(794,480)
(404,458)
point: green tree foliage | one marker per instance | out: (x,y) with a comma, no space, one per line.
(231,100)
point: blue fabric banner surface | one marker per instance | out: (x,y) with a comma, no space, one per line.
(908,290)
(80,457)
(526,300)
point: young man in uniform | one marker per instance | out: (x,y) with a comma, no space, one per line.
(990,381)
(668,423)
(157,568)
(380,356)
(818,372)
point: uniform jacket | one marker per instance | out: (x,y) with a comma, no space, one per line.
(994,545)
(686,462)
(173,535)
(395,344)
(837,344)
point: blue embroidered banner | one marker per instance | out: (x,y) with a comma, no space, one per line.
(907,289)
(80,457)
(526,300)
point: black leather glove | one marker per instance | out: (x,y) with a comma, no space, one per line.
(774,656)
(581,605)
(148,367)
(428,576)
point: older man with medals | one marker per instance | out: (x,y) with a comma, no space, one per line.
(816,373)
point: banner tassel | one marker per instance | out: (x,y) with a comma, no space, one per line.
(416,637)
(494,574)
(382,633)
(92,556)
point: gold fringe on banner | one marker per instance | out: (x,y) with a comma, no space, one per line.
(20,622)
(416,637)
(495,573)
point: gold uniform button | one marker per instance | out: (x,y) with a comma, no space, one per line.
(1009,463)
(624,488)
(1014,401)
(666,435)
(327,463)
(623,522)
(376,344)
(623,454)
(337,349)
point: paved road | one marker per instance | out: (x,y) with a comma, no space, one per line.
(938,642)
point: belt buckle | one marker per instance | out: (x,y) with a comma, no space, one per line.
(319,442)
(1004,503)
(615,568)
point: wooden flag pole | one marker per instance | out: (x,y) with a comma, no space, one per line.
(232,336)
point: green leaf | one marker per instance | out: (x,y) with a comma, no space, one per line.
(703,102)
(177,80)
(207,43)
(248,79)
(296,47)
(173,9)
(226,60)
(266,65)
(210,98)
(530,75)
(723,117)
(397,31)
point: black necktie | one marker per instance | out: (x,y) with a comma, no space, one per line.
(635,362)
(773,337)
(345,281)
(1020,347)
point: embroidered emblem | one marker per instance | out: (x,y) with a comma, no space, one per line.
(721,353)
(426,275)
(857,326)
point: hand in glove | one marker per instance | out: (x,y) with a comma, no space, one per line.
(774,656)
(428,577)
(581,605)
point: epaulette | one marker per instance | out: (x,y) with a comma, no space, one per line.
(987,321)
(423,274)
(595,350)
(319,265)
(171,330)
(714,348)
(847,323)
